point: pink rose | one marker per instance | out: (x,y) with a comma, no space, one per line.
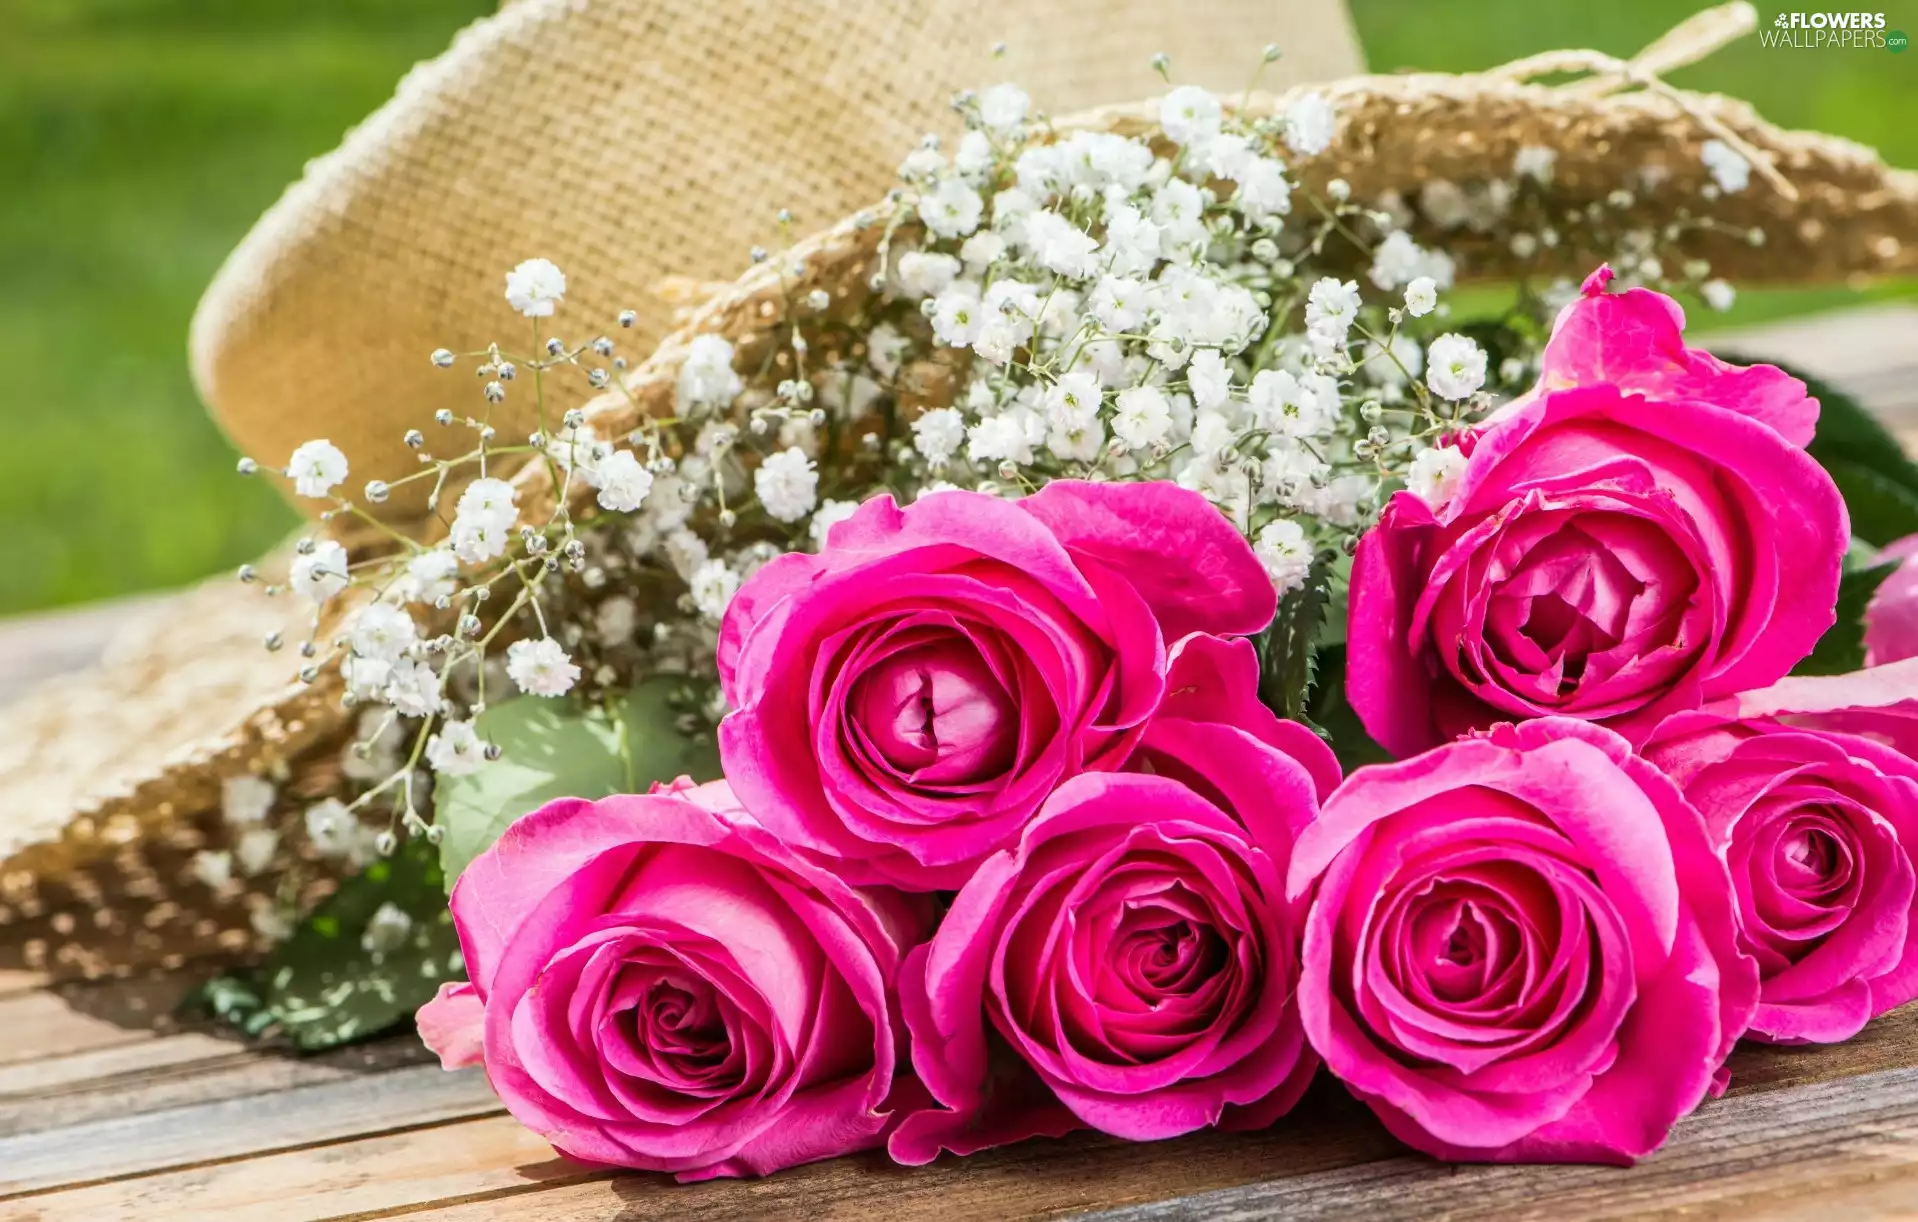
(909,697)
(1891,618)
(1635,340)
(1818,828)
(1521,947)
(1130,964)
(657,982)
(1612,552)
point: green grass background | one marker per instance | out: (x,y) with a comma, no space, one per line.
(140,138)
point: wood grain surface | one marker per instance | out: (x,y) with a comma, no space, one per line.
(110,1110)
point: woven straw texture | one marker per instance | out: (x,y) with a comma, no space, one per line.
(116,777)
(625,140)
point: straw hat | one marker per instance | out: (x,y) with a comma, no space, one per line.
(100,822)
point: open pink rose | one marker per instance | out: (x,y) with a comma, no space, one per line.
(1818,827)
(1521,947)
(906,699)
(1891,618)
(1130,964)
(1609,554)
(657,982)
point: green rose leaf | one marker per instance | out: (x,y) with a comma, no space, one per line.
(1842,649)
(550,749)
(1877,479)
(1333,717)
(365,960)
(1286,652)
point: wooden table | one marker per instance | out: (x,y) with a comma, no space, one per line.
(109,1111)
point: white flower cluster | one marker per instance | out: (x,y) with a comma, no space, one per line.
(1142,309)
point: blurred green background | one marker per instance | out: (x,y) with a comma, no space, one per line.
(140,138)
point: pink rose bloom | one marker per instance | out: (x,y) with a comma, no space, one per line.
(906,699)
(1818,827)
(658,983)
(1616,550)
(1635,340)
(1130,964)
(1891,618)
(1521,947)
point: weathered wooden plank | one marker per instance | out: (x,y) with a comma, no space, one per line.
(240,1127)
(174,1072)
(78,1018)
(348,1179)
(1839,1147)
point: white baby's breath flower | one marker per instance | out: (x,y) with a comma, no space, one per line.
(455,749)
(615,620)
(707,379)
(429,577)
(1282,548)
(1264,191)
(1535,161)
(1718,294)
(623,482)
(787,485)
(1059,246)
(1142,417)
(886,349)
(1189,114)
(981,251)
(957,315)
(1421,297)
(386,930)
(1399,261)
(713,585)
(365,678)
(212,869)
(1002,108)
(337,832)
(382,631)
(952,209)
(828,515)
(541,667)
(1396,364)
(973,157)
(490,500)
(535,287)
(1333,303)
(1727,166)
(413,687)
(578,449)
(938,434)
(320,573)
(1072,414)
(253,851)
(1435,475)
(476,540)
(1310,124)
(316,468)
(1119,303)
(1209,378)
(924,273)
(245,799)
(1454,367)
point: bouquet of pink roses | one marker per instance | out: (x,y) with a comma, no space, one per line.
(1009,843)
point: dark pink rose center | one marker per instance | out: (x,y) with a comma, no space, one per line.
(937,713)
(1161,952)
(1463,947)
(1813,863)
(1580,604)
(673,1030)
